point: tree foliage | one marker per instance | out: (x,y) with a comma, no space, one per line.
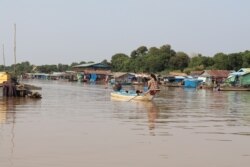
(119,62)
(246,59)
(221,61)
(179,61)
(166,59)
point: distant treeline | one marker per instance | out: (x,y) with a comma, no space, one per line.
(152,60)
(165,59)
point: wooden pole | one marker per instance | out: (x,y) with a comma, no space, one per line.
(15,49)
(3,59)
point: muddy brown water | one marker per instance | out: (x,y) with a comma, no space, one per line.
(77,124)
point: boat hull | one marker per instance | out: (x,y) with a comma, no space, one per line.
(129,97)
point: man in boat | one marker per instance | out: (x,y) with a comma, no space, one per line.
(117,86)
(138,92)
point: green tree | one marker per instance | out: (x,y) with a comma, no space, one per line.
(133,54)
(82,62)
(195,61)
(208,62)
(141,50)
(62,67)
(221,61)
(155,60)
(23,67)
(235,61)
(72,65)
(200,62)
(119,62)
(246,59)
(166,53)
(136,62)
(180,61)
(47,68)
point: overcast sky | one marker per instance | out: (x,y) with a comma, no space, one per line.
(66,31)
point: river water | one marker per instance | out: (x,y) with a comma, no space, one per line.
(76,125)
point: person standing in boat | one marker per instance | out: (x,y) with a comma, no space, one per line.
(153,84)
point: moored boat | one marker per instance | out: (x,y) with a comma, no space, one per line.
(234,88)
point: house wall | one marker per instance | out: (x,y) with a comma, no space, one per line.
(245,80)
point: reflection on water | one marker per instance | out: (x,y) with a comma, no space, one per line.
(10,105)
(145,111)
(75,124)
(153,114)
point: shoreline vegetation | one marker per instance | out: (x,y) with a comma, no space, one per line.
(160,60)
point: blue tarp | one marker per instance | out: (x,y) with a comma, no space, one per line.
(93,77)
(192,83)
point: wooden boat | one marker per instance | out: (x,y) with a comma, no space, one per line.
(11,88)
(129,96)
(234,89)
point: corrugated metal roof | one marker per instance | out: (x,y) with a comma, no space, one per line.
(241,71)
(245,69)
(85,65)
(216,73)
(92,65)
(102,72)
(120,74)
(196,73)
(177,74)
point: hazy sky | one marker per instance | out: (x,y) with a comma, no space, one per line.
(66,31)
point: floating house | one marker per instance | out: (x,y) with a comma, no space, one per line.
(239,80)
(245,80)
(92,71)
(56,76)
(37,75)
(174,79)
(140,79)
(196,74)
(177,74)
(211,77)
(122,77)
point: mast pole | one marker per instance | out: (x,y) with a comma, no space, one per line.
(15,49)
(3,59)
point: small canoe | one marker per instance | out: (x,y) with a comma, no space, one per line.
(128,96)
